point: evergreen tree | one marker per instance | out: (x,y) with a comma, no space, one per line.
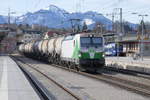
(84,29)
(78,29)
(99,28)
(127,28)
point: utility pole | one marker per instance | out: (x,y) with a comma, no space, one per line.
(9,16)
(120,31)
(121,22)
(121,25)
(74,25)
(79,5)
(142,37)
(113,17)
(121,28)
(101,29)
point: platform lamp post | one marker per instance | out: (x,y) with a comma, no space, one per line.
(142,37)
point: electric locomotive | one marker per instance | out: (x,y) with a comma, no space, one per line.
(84,50)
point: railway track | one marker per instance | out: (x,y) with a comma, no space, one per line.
(59,85)
(129,72)
(130,85)
(120,82)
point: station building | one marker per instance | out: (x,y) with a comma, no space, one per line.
(25,36)
(132,43)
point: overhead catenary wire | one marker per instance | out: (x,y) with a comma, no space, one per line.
(37,4)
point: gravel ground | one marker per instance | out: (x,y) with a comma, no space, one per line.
(87,88)
(56,92)
(144,79)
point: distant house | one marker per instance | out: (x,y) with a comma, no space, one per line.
(7,41)
(11,27)
(110,37)
(8,45)
(26,36)
(50,34)
(3,33)
(132,44)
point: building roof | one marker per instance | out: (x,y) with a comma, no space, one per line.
(4,30)
(32,31)
(110,34)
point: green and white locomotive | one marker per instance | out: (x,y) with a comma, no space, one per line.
(84,50)
(79,51)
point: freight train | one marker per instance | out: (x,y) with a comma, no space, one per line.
(79,51)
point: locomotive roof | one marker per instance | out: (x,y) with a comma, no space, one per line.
(90,34)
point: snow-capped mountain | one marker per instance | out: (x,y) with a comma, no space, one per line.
(55,17)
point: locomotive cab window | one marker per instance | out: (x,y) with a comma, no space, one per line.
(98,41)
(85,41)
(91,41)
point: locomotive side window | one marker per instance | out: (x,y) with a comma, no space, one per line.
(68,38)
(74,43)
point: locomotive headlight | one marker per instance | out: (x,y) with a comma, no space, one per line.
(103,55)
(79,55)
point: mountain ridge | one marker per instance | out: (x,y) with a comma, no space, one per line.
(55,17)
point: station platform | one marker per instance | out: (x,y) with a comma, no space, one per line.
(129,63)
(13,83)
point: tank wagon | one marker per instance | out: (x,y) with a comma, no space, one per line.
(79,51)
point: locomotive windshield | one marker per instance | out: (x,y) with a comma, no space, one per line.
(97,40)
(85,41)
(91,41)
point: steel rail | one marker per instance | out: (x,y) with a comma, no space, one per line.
(42,91)
(133,86)
(58,84)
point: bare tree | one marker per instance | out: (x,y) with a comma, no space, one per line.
(99,28)
(85,28)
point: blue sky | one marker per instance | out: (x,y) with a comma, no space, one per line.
(101,6)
